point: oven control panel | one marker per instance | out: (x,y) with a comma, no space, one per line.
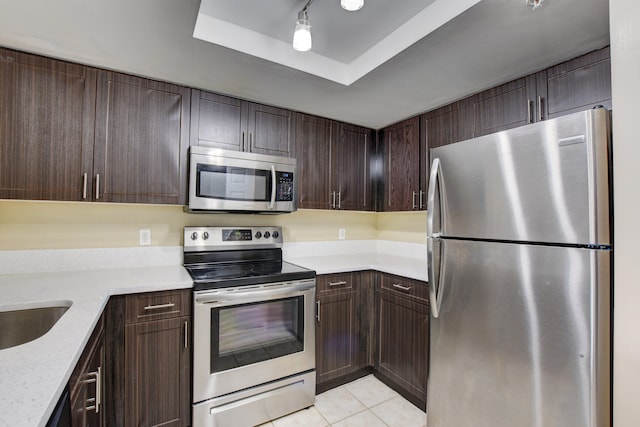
(198,239)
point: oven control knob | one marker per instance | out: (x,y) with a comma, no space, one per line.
(267,234)
(194,236)
(258,234)
(275,234)
(205,235)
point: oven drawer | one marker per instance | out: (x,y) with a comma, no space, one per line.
(157,305)
(335,282)
(405,286)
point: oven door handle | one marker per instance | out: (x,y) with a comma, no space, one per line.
(213,297)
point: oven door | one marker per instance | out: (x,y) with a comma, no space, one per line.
(248,336)
(233,181)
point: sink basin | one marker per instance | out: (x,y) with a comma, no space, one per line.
(20,326)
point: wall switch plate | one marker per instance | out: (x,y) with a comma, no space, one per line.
(342,233)
(145,237)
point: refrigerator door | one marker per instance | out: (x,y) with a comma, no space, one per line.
(522,337)
(545,182)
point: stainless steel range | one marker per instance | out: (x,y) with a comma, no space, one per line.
(254,341)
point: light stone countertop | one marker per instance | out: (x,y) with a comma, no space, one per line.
(413,268)
(33,375)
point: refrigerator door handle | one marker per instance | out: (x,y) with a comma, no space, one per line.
(435,287)
(433,236)
(435,178)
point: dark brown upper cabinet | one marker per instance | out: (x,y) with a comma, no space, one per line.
(402,166)
(141,140)
(575,85)
(333,164)
(579,84)
(233,124)
(440,127)
(46,127)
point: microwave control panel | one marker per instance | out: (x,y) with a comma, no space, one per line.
(284,186)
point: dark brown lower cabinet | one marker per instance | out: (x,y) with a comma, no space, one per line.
(403,336)
(341,339)
(157,364)
(86,386)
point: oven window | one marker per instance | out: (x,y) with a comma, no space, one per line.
(233,183)
(251,333)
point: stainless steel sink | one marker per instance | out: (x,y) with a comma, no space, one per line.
(21,326)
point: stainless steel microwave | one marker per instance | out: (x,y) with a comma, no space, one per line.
(234,181)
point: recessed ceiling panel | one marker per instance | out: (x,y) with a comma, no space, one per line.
(346,45)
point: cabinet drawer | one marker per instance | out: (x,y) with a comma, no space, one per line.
(157,305)
(335,282)
(403,286)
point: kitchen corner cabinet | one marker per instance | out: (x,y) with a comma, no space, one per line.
(333,164)
(141,140)
(46,127)
(220,121)
(157,361)
(401,166)
(402,315)
(340,342)
(86,386)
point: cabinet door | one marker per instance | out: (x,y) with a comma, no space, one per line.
(403,331)
(314,139)
(576,85)
(504,107)
(157,365)
(402,167)
(271,130)
(141,140)
(46,127)
(351,154)
(440,127)
(336,336)
(218,121)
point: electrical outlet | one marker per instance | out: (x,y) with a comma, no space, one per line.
(342,233)
(145,237)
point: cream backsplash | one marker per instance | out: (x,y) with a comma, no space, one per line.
(72,225)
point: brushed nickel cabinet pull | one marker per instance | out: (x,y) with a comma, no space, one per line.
(97,186)
(404,288)
(540,112)
(529,118)
(333,202)
(413,200)
(84,186)
(95,402)
(339,198)
(159,306)
(340,283)
(421,204)
(186,334)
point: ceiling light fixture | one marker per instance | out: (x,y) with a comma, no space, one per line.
(352,5)
(533,3)
(302,34)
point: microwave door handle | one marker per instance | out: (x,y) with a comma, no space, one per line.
(272,202)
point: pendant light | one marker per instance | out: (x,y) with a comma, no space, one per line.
(302,34)
(352,5)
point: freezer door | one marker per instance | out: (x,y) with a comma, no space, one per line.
(545,182)
(522,337)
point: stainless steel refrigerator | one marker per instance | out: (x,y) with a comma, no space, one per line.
(520,253)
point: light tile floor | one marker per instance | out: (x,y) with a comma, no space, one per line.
(365,402)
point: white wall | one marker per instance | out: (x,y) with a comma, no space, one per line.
(625,67)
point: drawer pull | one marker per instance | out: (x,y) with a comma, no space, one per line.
(404,288)
(340,283)
(159,306)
